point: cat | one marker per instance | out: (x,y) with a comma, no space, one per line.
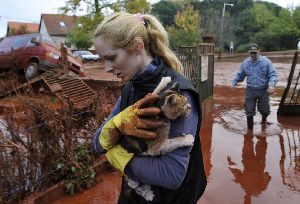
(173,105)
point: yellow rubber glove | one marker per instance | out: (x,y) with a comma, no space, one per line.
(119,157)
(130,121)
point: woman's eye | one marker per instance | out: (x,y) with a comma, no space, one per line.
(111,58)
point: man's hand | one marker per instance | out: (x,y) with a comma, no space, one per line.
(271,90)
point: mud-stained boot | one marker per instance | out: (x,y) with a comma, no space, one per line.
(250,123)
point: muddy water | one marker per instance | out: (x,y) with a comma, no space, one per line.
(225,72)
(242,167)
(262,166)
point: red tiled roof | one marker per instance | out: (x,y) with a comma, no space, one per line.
(31,27)
(53,25)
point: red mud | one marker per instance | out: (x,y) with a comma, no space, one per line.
(241,167)
(106,191)
(96,71)
(226,72)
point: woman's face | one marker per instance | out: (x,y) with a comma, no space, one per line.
(123,63)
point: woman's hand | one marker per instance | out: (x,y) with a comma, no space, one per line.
(139,119)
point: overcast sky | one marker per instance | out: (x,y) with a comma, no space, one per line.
(30,10)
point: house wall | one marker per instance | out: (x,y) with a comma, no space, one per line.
(57,39)
(43,29)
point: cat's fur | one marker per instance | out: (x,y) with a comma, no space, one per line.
(173,105)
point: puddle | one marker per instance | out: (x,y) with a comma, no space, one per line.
(235,121)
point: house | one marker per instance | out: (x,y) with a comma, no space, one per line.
(18,28)
(57,27)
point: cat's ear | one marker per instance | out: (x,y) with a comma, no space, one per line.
(172,100)
(175,87)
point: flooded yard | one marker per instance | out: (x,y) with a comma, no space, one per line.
(262,166)
(259,167)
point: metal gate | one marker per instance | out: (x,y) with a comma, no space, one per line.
(198,67)
(290,101)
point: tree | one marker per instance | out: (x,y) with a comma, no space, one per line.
(296,16)
(263,16)
(137,6)
(165,11)
(82,34)
(186,31)
(19,31)
(80,38)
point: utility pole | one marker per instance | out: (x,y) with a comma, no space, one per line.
(222,21)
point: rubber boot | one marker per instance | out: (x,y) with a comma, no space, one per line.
(264,119)
(250,123)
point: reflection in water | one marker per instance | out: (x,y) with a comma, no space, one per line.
(253,178)
(290,172)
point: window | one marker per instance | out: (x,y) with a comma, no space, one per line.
(19,41)
(62,24)
(5,43)
(49,41)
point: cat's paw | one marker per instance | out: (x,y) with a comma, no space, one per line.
(188,140)
(146,192)
(149,196)
(132,184)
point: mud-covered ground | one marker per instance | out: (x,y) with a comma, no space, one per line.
(242,167)
(261,167)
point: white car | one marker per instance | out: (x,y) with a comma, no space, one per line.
(86,56)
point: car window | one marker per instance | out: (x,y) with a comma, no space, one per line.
(76,53)
(50,41)
(29,43)
(19,41)
(88,53)
(6,42)
(15,42)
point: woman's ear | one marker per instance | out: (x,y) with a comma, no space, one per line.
(138,45)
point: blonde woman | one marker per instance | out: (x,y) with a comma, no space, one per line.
(136,49)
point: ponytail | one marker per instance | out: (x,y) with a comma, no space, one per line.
(159,42)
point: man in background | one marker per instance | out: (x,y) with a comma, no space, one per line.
(261,80)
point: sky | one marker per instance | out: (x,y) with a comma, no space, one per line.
(30,10)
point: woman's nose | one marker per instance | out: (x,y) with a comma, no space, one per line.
(109,67)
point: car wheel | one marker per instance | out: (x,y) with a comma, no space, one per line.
(32,70)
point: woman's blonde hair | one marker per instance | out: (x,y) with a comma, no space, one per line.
(122,28)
